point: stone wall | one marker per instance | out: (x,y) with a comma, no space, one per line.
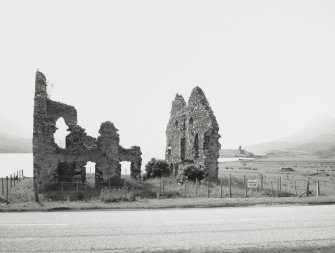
(193,134)
(53,164)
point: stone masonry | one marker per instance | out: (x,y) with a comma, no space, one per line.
(193,134)
(53,164)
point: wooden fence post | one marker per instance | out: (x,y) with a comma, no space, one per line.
(36,190)
(109,189)
(229,185)
(279,184)
(271,189)
(261,182)
(163,188)
(295,188)
(10,179)
(221,182)
(7,189)
(77,190)
(196,187)
(61,191)
(277,188)
(317,188)
(185,189)
(246,187)
(307,190)
(207,188)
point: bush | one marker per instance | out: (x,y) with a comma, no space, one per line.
(157,168)
(192,172)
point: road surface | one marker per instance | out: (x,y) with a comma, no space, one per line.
(203,229)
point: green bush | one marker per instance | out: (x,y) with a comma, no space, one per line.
(157,168)
(192,172)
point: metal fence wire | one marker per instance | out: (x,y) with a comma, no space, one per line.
(228,186)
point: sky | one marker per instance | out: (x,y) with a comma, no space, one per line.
(266,67)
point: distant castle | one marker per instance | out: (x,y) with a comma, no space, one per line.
(193,134)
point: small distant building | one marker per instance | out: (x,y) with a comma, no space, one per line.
(193,134)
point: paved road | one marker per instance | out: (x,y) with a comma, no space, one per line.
(145,230)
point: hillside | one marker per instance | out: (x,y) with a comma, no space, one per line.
(316,139)
(12,138)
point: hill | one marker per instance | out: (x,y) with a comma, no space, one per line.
(316,139)
(12,138)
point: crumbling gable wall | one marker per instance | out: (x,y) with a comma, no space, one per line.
(193,134)
(54,164)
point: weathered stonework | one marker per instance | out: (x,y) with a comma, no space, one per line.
(53,164)
(193,134)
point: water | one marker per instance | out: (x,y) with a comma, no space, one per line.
(232,159)
(11,163)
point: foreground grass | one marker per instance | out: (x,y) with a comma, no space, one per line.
(164,203)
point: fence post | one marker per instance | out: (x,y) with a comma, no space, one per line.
(77,190)
(221,182)
(246,187)
(261,182)
(277,188)
(61,191)
(163,188)
(196,187)
(185,189)
(14,179)
(229,185)
(36,191)
(295,188)
(307,190)
(279,184)
(317,188)
(207,188)
(271,189)
(2,187)
(7,189)
(10,179)
(109,189)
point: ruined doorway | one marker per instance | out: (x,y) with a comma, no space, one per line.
(125,169)
(61,133)
(182,149)
(90,172)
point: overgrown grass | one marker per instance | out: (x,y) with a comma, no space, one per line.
(129,190)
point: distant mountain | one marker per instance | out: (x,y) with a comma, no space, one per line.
(14,144)
(316,139)
(12,138)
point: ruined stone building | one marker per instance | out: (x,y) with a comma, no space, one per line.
(193,134)
(53,164)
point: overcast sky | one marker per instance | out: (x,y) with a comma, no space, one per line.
(266,67)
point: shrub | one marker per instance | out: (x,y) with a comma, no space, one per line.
(157,168)
(192,172)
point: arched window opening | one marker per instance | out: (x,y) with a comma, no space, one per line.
(61,133)
(90,172)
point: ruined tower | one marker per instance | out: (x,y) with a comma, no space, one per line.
(54,164)
(193,134)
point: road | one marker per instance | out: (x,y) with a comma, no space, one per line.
(158,230)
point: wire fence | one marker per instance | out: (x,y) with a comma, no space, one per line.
(233,185)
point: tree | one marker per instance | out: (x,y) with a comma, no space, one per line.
(192,172)
(157,168)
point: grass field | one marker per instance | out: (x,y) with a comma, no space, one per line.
(303,171)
